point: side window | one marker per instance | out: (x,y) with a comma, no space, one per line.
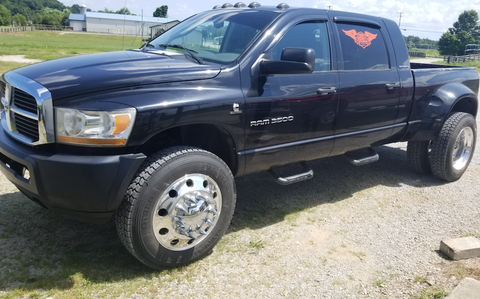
(363,47)
(312,35)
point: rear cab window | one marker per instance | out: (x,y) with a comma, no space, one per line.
(362,47)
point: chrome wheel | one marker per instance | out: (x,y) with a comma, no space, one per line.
(187,211)
(462,149)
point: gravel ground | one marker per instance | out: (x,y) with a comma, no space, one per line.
(350,232)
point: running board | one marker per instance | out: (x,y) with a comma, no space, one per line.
(362,156)
(306,174)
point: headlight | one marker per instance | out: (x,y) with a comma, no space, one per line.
(94,128)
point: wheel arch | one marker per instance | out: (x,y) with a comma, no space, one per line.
(451,97)
(209,137)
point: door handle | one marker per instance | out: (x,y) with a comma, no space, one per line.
(391,86)
(323,91)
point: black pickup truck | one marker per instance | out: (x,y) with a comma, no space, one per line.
(155,136)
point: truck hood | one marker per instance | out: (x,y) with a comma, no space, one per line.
(84,74)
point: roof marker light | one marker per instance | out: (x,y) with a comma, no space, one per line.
(239,5)
(283,6)
(254,5)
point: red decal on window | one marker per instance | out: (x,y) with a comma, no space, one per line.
(362,39)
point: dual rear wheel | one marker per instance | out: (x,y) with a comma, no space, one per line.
(448,155)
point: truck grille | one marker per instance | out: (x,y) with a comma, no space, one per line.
(26,126)
(24,101)
(27,110)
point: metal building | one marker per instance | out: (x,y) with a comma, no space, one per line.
(97,22)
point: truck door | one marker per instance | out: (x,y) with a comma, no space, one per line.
(369,86)
(291,117)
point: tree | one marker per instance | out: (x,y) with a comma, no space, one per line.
(465,31)
(5,16)
(20,20)
(75,8)
(467,22)
(161,12)
(50,16)
(106,10)
(123,11)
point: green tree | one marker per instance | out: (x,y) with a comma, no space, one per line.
(75,8)
(465,31)
(20,20)
(467,22)
(106,10)
(161,12)
(50,16)
(448,44)
(123,11)
(5,16)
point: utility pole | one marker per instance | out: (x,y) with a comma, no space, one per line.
(400,14)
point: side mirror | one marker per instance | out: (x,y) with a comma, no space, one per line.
(293,61)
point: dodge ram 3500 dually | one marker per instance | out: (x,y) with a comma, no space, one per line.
(155,136)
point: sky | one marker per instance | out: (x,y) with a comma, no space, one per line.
(426,19)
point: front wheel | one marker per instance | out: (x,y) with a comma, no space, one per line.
(177,207)
(452,151)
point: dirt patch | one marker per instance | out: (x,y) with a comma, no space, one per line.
(18,59)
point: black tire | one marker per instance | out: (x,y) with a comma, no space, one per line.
(452,151)
(177,207)
(417,156)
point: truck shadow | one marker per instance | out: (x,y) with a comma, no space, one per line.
(41,250)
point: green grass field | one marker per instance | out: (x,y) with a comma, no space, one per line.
(50,45)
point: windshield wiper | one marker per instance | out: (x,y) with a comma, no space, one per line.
(192,53)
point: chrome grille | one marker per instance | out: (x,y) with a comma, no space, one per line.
(27,110)
(27,127)
(24,101)
(2,93)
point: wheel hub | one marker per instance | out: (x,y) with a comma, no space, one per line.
(187,211)
(462,149)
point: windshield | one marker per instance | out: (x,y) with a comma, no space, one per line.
(217,36)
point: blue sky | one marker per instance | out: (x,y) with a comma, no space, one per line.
(426,19)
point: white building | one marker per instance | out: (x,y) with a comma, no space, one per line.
(98,22)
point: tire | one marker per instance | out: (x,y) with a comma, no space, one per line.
(177,207)
(452,151)
(417,156)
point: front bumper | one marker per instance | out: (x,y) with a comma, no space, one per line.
(87,188)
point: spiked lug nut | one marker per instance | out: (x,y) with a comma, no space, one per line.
(192,235)
(200,230)
(181,208)
(178,221)
(183,232)
(209,201)
(212,210)
(190,200)
(208,221)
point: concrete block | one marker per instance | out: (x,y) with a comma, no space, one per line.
(468,288)
(461,248)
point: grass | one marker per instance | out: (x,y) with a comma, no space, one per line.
(475,63)
(46,45)
(432,294)
(6,66)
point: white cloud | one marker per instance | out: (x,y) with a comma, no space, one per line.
(428,18)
